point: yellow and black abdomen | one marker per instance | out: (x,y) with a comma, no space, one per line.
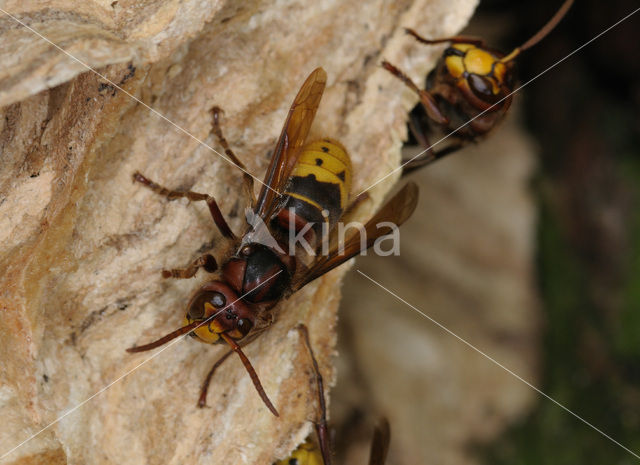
(318,190)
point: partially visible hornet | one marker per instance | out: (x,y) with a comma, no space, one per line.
(467,94)
(306,192)
(311,452)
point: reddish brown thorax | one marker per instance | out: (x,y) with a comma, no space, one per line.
(259,273)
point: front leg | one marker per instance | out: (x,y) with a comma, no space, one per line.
(428,102)
(216,214)
(206,261)
(247,178)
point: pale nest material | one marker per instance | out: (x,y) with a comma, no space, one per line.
(467,263)
(81,246)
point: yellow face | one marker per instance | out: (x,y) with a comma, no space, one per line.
(475,60)
(306,454)
(455,63)
(208,332)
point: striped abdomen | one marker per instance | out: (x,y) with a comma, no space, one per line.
(318,189)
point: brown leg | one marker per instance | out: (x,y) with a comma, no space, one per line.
(206,261)
(202,401)
(427,100)
(456,39)
(430,155)
(424,160)
(380,443)
(216,214)
(217,130)
(428,158)
(322,430)
(418,132)
(409,165)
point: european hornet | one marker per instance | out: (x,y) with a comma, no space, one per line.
(305,192)
(468,93)
(310,453)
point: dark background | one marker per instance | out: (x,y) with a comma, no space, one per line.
(584,115)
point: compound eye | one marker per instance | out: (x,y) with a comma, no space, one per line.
(196,312)
(218,300)
(480,86)
(244,325)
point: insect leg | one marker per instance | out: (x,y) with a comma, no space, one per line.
(427,157)
(380,443)
(427,100)
(217,130)
(205,261)
(322,429)
(456,39)
(202,401)
(419,133)
(216,214)
(430,155)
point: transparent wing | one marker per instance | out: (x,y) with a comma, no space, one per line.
(397,210)
(293,136)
